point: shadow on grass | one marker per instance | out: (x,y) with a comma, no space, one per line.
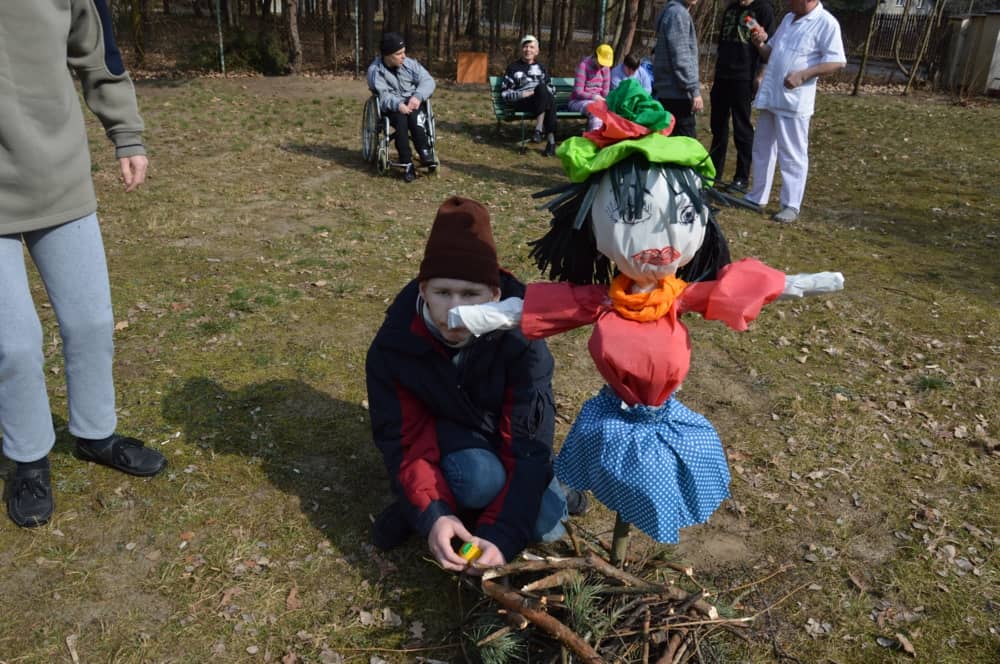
(345,157)
(309,445)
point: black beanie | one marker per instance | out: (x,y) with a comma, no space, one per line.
(461,245)
(391,42)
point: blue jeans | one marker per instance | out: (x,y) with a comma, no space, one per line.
(476,476)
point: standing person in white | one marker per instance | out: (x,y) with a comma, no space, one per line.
(806,45)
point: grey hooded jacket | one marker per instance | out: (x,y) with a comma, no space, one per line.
(395,86)
(45,177)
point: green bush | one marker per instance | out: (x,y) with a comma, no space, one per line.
(245,51)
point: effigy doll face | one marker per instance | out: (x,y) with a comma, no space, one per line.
(654,241)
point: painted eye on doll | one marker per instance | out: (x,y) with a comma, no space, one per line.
(687,215)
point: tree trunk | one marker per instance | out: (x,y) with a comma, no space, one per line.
(932,22)
(556,22)
(136,23)
(629,23)
(428,27)
(864,55)
(367,22)
(568,25)
(472,26)
(444,14)
(294,43)
(328,32)
(899,37)
(494,10)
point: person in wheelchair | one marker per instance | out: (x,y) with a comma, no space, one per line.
(403,86)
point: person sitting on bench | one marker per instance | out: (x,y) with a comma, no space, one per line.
(527,86)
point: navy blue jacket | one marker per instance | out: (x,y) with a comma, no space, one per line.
(425,403)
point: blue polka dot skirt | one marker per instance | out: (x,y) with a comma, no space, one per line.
(661,468)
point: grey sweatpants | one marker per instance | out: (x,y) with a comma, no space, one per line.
(70,259)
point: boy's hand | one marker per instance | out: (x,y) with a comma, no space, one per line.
(444,530)
(491,557)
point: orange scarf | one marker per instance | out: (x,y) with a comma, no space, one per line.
(645,307)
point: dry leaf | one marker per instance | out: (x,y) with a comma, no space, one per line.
(121,325)
(228,594)
(71,645)
(391,618)
(366,618)
(292,602)
(290,658)
(905,644)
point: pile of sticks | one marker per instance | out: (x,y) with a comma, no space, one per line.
(640,620)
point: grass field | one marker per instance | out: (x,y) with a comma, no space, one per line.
(252,270)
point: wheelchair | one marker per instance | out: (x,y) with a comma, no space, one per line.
(377,137)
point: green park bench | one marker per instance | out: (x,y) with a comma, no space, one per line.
(504,112)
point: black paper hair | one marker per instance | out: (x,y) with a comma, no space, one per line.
(569,251)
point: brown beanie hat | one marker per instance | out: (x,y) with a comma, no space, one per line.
(461,245)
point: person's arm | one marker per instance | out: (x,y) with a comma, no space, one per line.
(425,82)
(405,433)
(580,82)
(605,73)
(91,52)
(796,78)
(831,58)
(527,430)
(509,89)
(388,99)
(682,47)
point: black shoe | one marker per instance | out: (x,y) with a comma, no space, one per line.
(739,185)
(576,501)
(426,158)
(536,137)
(390,528)
(409,174)
(550,150)
(29,498)
(125,454)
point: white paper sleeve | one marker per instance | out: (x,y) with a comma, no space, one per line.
(815,283)
(482,318)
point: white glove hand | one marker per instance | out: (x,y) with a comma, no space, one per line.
(482,318)
(801,285)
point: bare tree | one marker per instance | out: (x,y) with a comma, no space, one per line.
(864,55)
(630,21)
(557,11)
(472,26)
(294,43)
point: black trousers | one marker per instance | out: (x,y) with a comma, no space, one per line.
(407,125)
(540,102)
(684,120)
(732,98)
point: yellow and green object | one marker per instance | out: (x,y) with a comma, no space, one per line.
(470,552)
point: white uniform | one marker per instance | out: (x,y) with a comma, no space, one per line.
(782,135)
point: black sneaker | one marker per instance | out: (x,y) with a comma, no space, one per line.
(576,501)
(29,497)
(128,455)
(409,174)
(390,528)
(550,150)
(739,185)
(537,137)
